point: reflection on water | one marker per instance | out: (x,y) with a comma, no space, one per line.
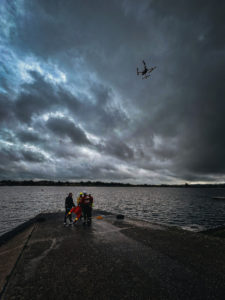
(189,208)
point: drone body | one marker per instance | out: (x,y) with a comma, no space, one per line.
(146,72)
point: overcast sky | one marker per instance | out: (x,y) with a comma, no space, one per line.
(73,108)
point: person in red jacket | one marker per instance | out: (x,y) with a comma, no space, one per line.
(86,205)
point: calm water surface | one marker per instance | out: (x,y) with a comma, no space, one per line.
(189,208)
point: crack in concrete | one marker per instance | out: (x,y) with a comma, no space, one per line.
(33,263)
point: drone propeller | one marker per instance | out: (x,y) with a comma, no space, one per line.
(144,63)
(151,69)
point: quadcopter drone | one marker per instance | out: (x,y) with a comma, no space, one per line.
(146,72)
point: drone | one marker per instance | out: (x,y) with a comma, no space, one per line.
(146,72)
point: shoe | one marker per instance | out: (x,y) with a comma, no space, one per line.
(64,223)
(84,223)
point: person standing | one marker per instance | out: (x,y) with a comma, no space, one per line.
(86,205)
(79,198)
(91,201)
(68,205)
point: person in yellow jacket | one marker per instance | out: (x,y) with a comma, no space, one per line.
(79,198)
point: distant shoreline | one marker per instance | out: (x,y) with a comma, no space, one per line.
(103,184)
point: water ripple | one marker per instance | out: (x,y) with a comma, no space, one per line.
(190,208)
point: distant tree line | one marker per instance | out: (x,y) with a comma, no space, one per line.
(100,183)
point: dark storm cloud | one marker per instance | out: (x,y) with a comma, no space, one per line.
(103,170)
(62,127)
(34,99)
(117,148)
(10,156)
(29,137)
(5,109)
(30,156)
(171,124)
(105,115)
(193,108)
(40,97)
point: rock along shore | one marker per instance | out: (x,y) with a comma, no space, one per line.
(112,259)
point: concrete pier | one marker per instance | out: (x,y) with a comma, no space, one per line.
(112,259)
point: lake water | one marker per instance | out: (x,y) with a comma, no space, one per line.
(189,208)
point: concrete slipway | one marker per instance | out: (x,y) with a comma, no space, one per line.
(112,259)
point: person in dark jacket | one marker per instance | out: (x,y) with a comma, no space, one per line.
(68,205)
(86,205)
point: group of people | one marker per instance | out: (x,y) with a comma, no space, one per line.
(83,209)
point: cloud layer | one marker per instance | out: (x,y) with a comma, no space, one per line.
(73,108)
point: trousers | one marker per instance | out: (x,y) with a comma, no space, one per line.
(87,213)
(66,212)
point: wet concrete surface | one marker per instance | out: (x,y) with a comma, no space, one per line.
(10,253)
(117,259)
